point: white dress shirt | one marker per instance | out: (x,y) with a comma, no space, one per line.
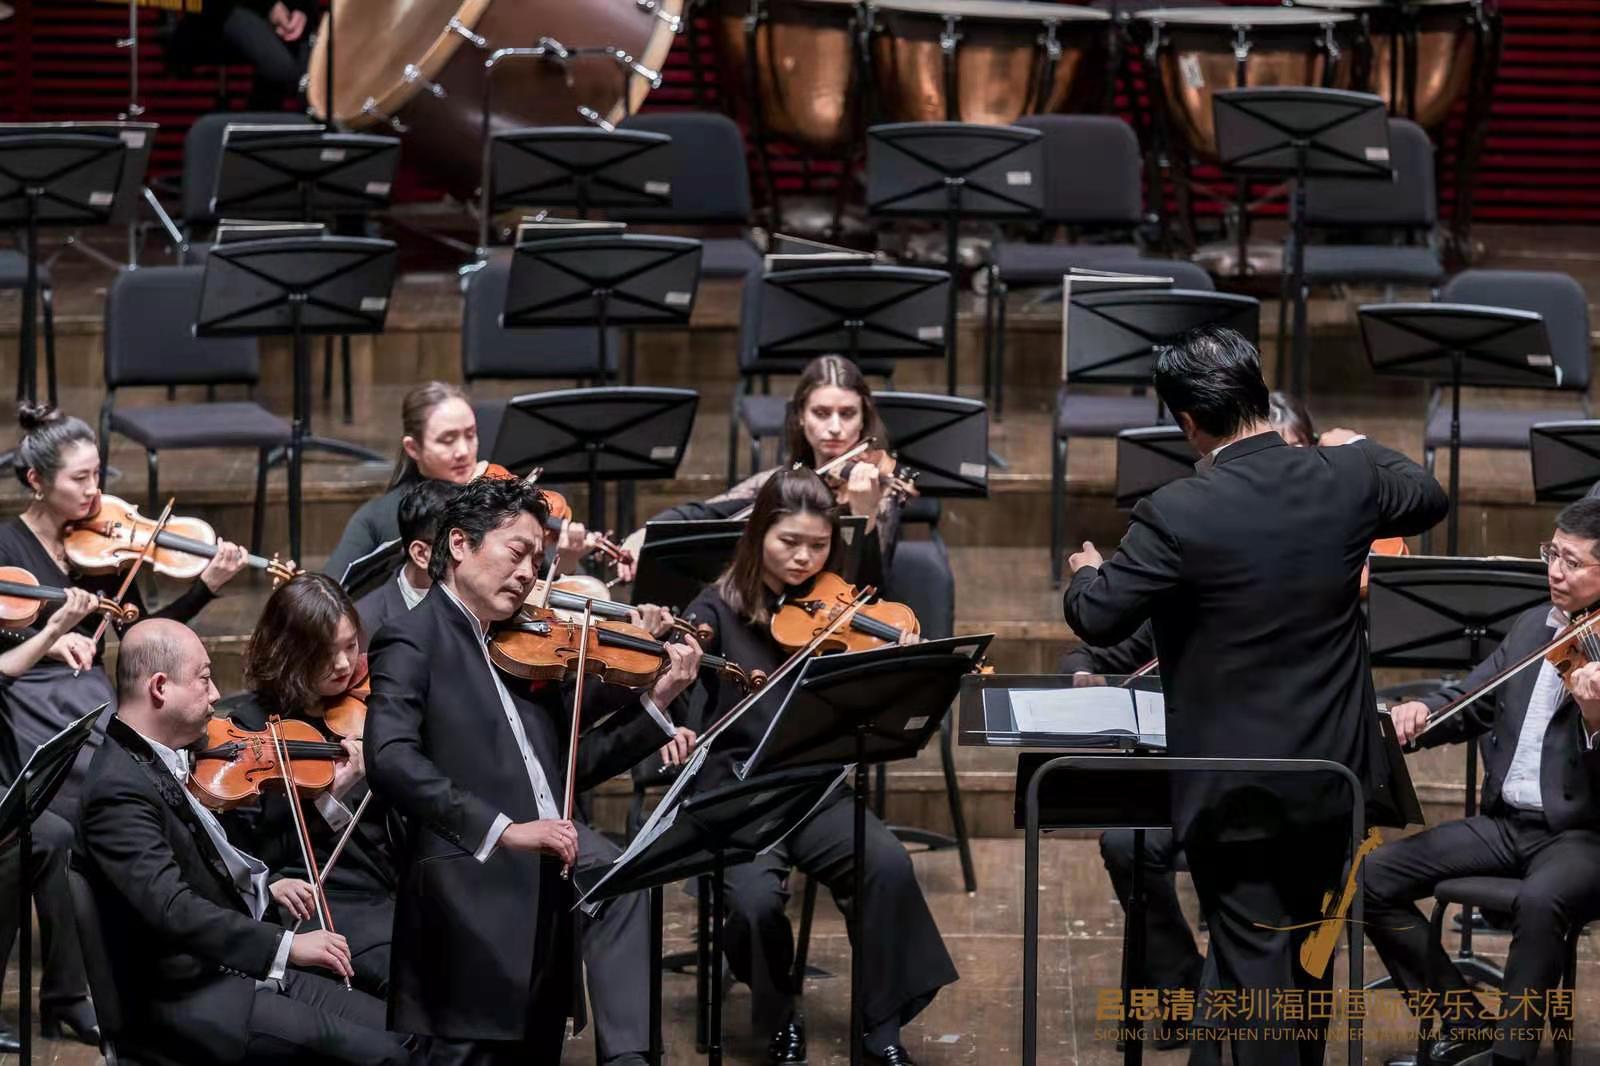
(1521,786)
(248,872)
(545,799)
(409,592)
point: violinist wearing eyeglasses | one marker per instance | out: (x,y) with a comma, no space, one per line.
(1540,820)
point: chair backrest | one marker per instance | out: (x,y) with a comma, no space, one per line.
(1408,200)
(202,156)
(1094,173)
(149,334)
(708,168)
(920,577)
(96,962)
(488,350)
(1556,296)
(1114,335)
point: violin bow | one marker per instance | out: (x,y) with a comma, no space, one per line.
(1145,669)
(570,792)
(826,468)
(301,832)
(338,847)
(721,725)
(133,571)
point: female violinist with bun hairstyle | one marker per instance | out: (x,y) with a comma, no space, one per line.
(58,462)
(830,412)
(792,536)
(303,658)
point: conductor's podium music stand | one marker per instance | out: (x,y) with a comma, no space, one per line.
(1456,345)
(1118,729)
(1566,459)
(1443,613)
(700,834)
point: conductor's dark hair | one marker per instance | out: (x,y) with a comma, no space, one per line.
(480,506)
(1213,375)
(1581,518)
(293,642)
(46,435)
(795,490)
(420,509)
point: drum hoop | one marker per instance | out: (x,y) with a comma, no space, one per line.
(653,56)
(1057,13)
(430,65)
(1251,18)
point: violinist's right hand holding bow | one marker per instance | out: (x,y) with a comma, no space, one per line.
(1408,718)
(552,836)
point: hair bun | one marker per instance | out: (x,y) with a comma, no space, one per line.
(33,416)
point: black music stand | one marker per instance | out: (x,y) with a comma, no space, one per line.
(951,171)
(298,171)
(1299,133)
(1148,458)
(53,179)
(1456,345)
(708,832)
(679,558)
(1566,460)
(24,801)
(1436,612)
(867,708)
(1123,328)
(628,280)
(372,569)
(294,287)
(863,311)
(619,433)
(573,166)
(945,439)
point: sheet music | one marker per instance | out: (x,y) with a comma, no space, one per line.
(1150,708)
(660,820)
(1074,710)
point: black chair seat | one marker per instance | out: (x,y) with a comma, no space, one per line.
(762,415)
(1022,263)
(1488,893)
(728,257)
(926,509)
(1098,414)
(14,270)
(1384,263)
(201,425)
(1493,428)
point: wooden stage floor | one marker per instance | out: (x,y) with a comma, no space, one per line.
(978,1020)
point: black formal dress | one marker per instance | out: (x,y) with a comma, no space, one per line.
(1249,573)
(905,958)
(361,888)
(1540,822)
(483,956)
(191,963)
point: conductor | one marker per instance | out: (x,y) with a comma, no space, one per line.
(1250,574)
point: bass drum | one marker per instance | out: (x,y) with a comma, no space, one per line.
(417,68)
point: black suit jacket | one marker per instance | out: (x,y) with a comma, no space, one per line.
(378,606)
(1569,772)
(1250,575)
(182,943)
(1123,657)
(439,749)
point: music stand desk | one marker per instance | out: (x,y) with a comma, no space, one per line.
(681,557)
(24,801)
(291,171)
(572,166)
(945,439)
(1566,459)
(865,707)
(1147,459)
(863,311)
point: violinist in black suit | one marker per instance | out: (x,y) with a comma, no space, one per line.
(418,517)
(1540,819)
(200,962)
(483,957)
(1249,573)
(305,652)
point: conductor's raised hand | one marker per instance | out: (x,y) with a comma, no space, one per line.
(551,836)
(1088,555)
(322,949)
(683,666)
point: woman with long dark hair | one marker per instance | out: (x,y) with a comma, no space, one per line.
(306,651)
(792,536)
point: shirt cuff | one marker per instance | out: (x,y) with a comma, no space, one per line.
(1589,738)
(336,814)
(491,839)
(280,962)
(661,720)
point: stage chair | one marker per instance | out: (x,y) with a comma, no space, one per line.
(13,276)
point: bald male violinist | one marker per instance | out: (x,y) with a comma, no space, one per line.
(1540,820)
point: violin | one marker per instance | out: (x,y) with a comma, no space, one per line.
(560,510)
(345,715)
(568,595)
(22,598)
(892,479)
(804,616)
(117,533)
(230,770)
(539,645)
(1382,546)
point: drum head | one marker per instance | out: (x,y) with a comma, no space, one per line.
(1241,16)
(1001,10)
(374,42)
